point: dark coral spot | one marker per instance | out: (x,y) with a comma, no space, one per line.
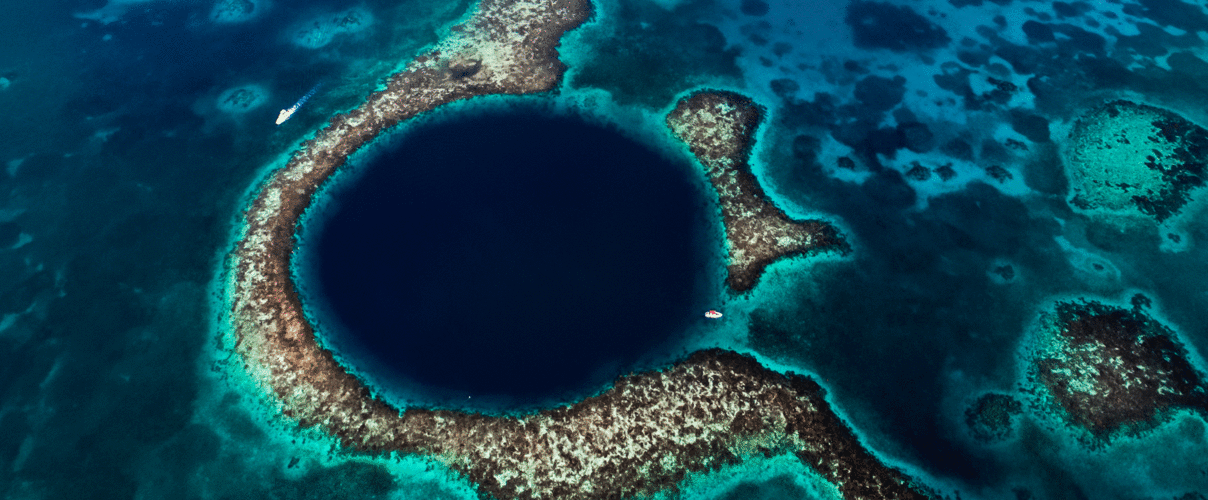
(998,173)
(1063,9)
(885,141)
(973,58)
(916,137)
(819,112)
(1182,15)
(1024,60)
(784,87)
(1006,272)
(898,28)
(1038,32)
(945,172)
(10,232)
(1034,127)
(1075,39)
(754,7)
(888,188)
(918,172)
(881,94)
(959,149)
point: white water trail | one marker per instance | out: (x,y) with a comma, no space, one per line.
(286,113)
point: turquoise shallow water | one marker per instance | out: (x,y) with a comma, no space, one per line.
(936,135)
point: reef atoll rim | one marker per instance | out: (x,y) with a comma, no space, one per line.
(1129,157)
(643,435)
(719,128)
(1108,370)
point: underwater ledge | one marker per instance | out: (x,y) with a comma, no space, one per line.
(643,435)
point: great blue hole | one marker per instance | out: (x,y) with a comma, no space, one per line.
(519,257)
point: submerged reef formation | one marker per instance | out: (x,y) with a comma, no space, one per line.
(882,25)
(991,417)
(719,128)
(241,99)
(1110,371)
(321,31)
(641,436)
(1135,158)
(234,11)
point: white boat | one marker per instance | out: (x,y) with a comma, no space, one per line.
(712,314)
(285,114)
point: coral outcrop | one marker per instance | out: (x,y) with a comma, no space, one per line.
(719,128)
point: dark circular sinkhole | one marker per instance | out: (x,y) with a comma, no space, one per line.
(515,257)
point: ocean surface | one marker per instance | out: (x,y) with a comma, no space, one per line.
(938,136)
(508,255)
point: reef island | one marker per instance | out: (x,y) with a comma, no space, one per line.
(719,128)
(1108,371)
(643,435)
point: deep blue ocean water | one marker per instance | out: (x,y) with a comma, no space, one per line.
(511,254)
(132,131)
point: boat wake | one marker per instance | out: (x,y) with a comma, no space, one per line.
(286,113)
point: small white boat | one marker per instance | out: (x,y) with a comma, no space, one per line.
(712,314)
(285,114)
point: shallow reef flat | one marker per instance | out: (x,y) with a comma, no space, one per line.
(1136,159)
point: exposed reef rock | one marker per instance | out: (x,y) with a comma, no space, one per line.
(719,128)
(1131,157)
(1108,370)
(641,436)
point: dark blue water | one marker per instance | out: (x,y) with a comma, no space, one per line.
(520,255)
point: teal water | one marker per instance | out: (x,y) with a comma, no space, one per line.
(936,135)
